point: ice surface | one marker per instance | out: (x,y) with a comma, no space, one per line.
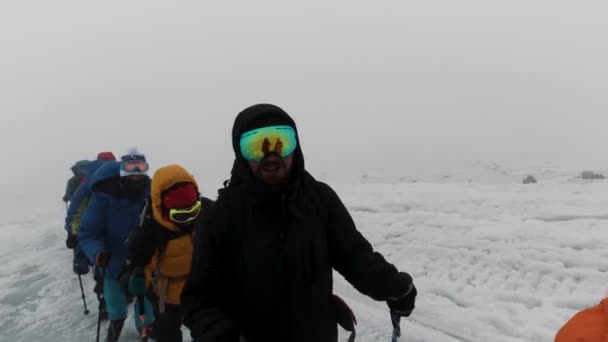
(493,260)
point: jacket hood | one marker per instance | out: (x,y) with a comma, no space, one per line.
(80,168)
(165,178)
(104,171)
(93,166)
(257,116)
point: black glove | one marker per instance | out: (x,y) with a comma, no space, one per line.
(404,304)
(344,315)
(72,241)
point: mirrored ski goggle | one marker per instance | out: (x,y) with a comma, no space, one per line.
(186,215)
(258,143)
(134,167)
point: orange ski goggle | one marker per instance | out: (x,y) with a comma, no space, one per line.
(259,143)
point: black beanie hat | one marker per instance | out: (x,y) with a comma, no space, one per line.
(256,116)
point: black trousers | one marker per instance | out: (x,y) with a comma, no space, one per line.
(167,325)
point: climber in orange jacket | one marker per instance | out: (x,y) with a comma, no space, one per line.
(160,250)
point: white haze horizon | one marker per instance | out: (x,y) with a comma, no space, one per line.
(380,86)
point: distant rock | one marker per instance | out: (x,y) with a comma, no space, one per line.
(529,180)
(591,175)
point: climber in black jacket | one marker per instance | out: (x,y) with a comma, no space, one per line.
(263,259)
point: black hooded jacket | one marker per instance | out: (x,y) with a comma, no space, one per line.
(262,263)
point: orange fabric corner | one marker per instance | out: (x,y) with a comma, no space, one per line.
(588,325)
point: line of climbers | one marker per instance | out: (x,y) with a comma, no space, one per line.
(254,265)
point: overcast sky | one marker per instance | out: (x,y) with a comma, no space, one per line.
(365,80)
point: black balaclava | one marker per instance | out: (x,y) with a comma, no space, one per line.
(134,187)
(253,117)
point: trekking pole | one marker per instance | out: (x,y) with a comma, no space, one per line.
(142,318)
(396,320)
(352,336)
(84,299)
(103,276)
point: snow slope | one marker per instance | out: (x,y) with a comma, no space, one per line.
(492,261)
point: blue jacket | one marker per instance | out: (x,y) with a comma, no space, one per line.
(109,218)
(80,198)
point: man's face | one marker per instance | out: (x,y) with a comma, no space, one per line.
(273,169)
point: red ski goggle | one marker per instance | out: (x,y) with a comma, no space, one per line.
(133,167)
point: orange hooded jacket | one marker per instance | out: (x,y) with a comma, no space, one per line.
(173,266)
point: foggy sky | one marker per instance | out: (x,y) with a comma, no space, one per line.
(366,81)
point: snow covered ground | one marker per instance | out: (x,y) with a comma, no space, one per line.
(493,260)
